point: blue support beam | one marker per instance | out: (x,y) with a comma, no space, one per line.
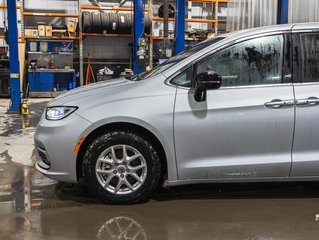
(179,30)
(283,11)
(138,32)
(15,105)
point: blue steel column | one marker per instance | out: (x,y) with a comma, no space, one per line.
(14,57)
(138,32)
(283,11)
(179,30)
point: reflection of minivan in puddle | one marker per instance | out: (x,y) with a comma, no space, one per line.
(240,107)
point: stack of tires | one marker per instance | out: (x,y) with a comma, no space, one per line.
(111,23)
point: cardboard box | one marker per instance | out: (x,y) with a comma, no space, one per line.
(29,32)
(41,30)
(35,33)
(72,26)
(48,31)
(58,32)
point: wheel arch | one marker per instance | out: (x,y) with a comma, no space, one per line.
(128,127)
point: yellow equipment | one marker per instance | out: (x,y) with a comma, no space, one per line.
(25,107)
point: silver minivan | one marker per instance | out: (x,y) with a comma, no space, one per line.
(241,107)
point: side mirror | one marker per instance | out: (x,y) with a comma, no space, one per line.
(205,81)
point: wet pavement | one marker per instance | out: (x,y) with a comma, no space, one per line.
(35,207)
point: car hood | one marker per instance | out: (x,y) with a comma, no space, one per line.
(112,91)
(94,89)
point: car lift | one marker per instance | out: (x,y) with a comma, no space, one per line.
(15,105)
(283,11)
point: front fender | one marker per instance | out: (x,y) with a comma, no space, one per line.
(166,142)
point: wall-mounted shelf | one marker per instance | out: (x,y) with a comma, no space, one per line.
(51,38)
(187,20)
(4,6)
(19,37)
(172,38)
(105,35)
(48,53)
(50,14)
(54,70)
(124,9)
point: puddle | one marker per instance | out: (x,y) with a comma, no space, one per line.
(24,189)
(16,133)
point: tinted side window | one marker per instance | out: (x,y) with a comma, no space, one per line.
(307,57)
(252,62)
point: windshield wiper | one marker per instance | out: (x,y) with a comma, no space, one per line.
(135,77)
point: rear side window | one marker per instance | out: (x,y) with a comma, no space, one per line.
(306,57)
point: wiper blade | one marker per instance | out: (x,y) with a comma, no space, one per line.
(132,78)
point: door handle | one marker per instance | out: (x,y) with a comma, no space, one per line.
(278,103)
(311,101)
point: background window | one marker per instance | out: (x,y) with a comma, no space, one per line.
(309,57)
(256,61)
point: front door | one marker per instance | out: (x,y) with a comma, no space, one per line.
(245,128)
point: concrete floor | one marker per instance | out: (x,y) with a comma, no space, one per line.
(35,207)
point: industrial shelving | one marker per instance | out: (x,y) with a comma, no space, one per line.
(82,35)
(50,14)
(109,8)
(152,38)
(50,38)
(214,21)
(39,14)
(105,35)
(2,6)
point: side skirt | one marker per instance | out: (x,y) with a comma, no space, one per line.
(241,180)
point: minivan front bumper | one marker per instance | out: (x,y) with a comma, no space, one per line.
(55,142)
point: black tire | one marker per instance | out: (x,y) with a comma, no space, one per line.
(114,23)
(96,22)
(130,139)
(128,23)
(147,24)
(105,20)
(171,11)
(122,23)
(129,18)
(87,22)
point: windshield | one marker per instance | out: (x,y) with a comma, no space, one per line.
(176,59)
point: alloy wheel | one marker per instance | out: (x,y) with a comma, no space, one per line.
(121,169)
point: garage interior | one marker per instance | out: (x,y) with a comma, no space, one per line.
(50,47)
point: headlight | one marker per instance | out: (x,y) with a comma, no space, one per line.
(57,113)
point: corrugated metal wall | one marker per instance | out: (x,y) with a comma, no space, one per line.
(303,11)
(242,14)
